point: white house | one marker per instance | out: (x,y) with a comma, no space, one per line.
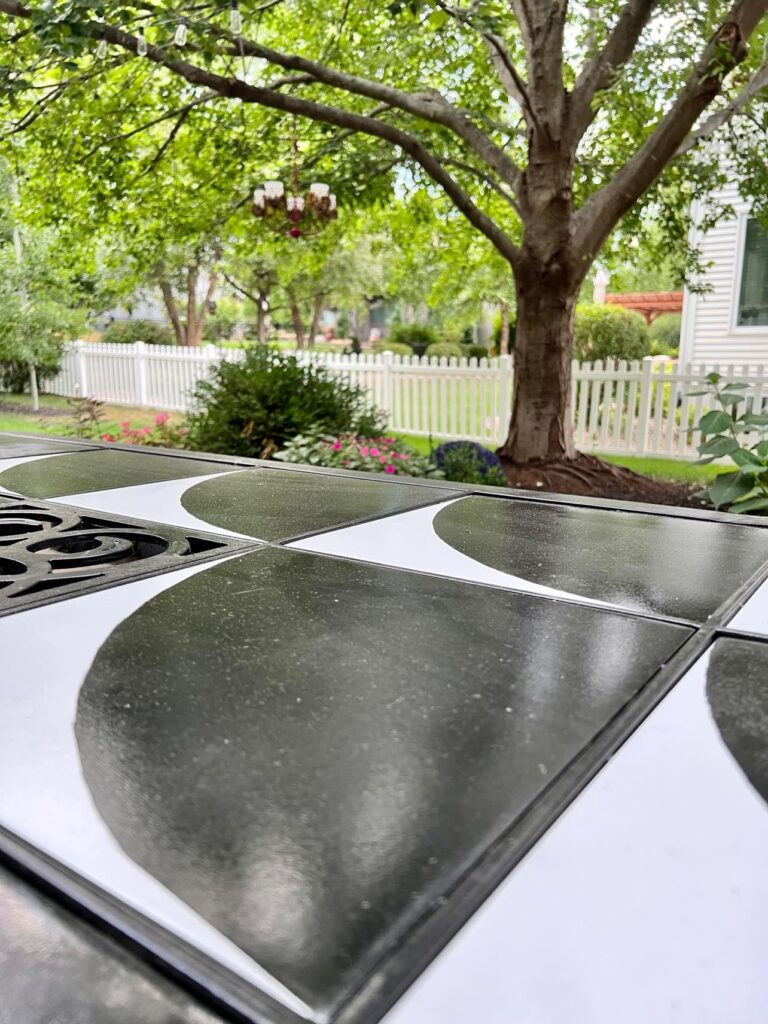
(729,324)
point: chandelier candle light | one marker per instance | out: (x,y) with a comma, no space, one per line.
(286,212)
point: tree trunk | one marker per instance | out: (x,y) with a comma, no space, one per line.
(317,311)
(192,304)
(504,334)
(262,305)
(196,326)
(542,426)
(298,323)
(173,312)
(33,388)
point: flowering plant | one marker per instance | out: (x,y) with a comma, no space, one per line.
(162,434)
(370,454)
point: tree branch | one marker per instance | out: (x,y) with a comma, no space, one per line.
(235,88)
(751,90)
(598,73)
(430,106)
(724,51)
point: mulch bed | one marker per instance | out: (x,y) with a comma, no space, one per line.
(42,414)
(590,477)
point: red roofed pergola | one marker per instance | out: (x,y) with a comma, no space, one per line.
(650,304)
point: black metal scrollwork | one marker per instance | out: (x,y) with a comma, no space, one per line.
(49,550)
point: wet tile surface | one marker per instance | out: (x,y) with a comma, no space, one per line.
(657,564)
(56,969)
(100,469)
(737,691)
(312,769)
(627,898)
(18,447)
(279,504)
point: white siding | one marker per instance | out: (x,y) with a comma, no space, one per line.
(709,334)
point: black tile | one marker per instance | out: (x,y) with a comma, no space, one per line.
(737,691)
(18,447)
(56,969)
(100,470)
(277,504)
(652,563)
(312,752)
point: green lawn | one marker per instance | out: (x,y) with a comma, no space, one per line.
(55,416)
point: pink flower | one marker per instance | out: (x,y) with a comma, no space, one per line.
(336,446)
(404,456)
(161,419)
(145,431)
(107,437)
(364,451)
(126,425)
(393,455)
(382,458)
(390,440)
(389,469)
(375,452)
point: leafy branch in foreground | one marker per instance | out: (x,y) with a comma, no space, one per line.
(745,490)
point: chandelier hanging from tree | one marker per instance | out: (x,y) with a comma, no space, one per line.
(290,212)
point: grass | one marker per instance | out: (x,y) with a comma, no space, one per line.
(51,421)
(114,415)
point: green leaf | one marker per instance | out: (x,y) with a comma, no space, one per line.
(729,487)
(734,387)
(719,446)
(762,449)
(750,505)
(745,457)
(695,394)
(714,422)
(758,419)
(713,378)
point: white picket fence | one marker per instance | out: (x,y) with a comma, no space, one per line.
(635,408)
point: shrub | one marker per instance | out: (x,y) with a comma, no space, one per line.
(665,334)
(746,489)
(475,351)
(124,332)
(609,332)
(33,333)
(444,348)
(370,454)
(256,406)
(397,348)
(413,334)
(469,463)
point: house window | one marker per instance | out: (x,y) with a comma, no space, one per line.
(753,297)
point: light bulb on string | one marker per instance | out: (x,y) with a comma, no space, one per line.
(141,45)
(180,38)
(235,20)
(101,49)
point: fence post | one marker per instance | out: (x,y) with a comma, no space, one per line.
(81,369)
(140,355)
(386,382)
(646,396)
(505,405)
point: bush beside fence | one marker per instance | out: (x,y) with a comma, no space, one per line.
(637,408)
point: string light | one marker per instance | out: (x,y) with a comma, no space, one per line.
(101,49)
(141,45)
(180,39)
(235,20)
